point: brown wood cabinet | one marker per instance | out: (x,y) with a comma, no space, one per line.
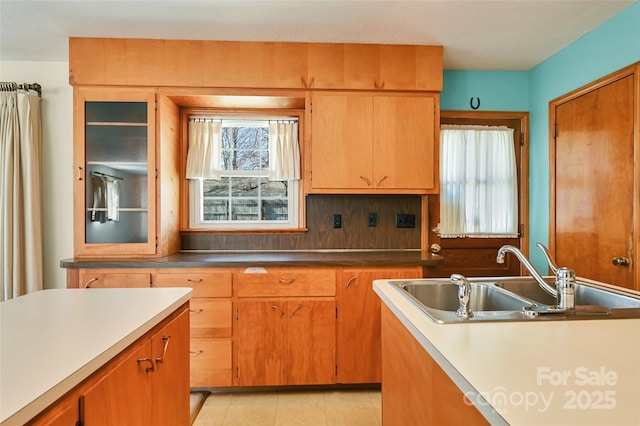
(286,326)
(358,335)
(211,321)
(365,143)
(147,384)
(432,398)
(92,278)
(286,342)
(115,163)
(234,64)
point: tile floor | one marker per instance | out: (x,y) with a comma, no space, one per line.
(305,408)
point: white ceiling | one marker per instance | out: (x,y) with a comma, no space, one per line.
(476,34)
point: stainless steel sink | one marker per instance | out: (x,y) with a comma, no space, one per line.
(514,299)
(585,294)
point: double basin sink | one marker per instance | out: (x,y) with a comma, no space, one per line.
(517,299)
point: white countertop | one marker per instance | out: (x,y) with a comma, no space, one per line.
(52,340)
(582,372)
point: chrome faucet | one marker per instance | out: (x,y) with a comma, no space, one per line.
(464,295)
(565,277)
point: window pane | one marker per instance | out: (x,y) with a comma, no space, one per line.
(274,210)
(245,148)
(244,210)
(216,188)
(215,209)
(244,186)
(272,188)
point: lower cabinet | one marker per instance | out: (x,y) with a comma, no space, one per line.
(358,346)
(147,384)
(88,278)
(432,398)
(286,342)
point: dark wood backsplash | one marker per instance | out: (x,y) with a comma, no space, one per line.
(354,234)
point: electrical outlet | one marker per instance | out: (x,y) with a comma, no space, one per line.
(405,220)
(373,220)
(337,220)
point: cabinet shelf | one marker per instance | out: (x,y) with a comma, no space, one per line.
(125,166)
(115,123)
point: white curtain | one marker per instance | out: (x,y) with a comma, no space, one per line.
(20,194)
(284,151)
(204,156)
(478,182)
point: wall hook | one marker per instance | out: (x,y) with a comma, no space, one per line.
(471,103)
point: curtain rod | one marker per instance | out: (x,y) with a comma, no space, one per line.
(7,86)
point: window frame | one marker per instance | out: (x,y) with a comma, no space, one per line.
(189,221)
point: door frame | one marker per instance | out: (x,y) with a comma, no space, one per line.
(523,188)
(631,70)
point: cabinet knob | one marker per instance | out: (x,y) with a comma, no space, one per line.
(287,280)
(88,283)
(355,277)
(295,309)
(367,181)
(380,180)
(621,261)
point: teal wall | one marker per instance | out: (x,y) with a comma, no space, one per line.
(608,48)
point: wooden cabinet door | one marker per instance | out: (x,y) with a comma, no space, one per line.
(124,395)
(170,352)
(342,140)
(262,342)
(211,362)
(311,342)
(358,340)
(114,153)
(405,152)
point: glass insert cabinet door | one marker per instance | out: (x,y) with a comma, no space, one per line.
(115,184)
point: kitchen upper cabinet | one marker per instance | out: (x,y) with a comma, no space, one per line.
(358,336)
(267,65)
(286,342)
(364,143)
(374,67)
(114,186)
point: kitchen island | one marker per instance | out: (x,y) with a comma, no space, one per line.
(520,373)
(52,341)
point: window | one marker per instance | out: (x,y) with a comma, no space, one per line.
(478,182)
(239,186)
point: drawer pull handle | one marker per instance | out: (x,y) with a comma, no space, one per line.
(287,280)
(150,367)
(88,283)
(276,307)
(196,353)
(198,281)
(197,311)
(380,180)
(355,277)
(165,339)
(79,173)
(295,309)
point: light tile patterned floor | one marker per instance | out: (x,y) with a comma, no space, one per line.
(304,408)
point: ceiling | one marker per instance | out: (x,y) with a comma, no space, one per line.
(511,35)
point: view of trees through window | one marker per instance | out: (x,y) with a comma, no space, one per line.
(245,193)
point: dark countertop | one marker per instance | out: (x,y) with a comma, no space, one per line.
(242,259)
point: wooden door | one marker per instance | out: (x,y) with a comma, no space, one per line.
(311,346)
(592,195)
(170,352)
(476,257)
(262,343)
(358,340)
(404,153)
(342,138)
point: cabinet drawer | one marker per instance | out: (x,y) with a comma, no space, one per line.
(203,284)
(89,279)
(287,282)
(210,317)
(210,362)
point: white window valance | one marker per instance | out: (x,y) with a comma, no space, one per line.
(478,182)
